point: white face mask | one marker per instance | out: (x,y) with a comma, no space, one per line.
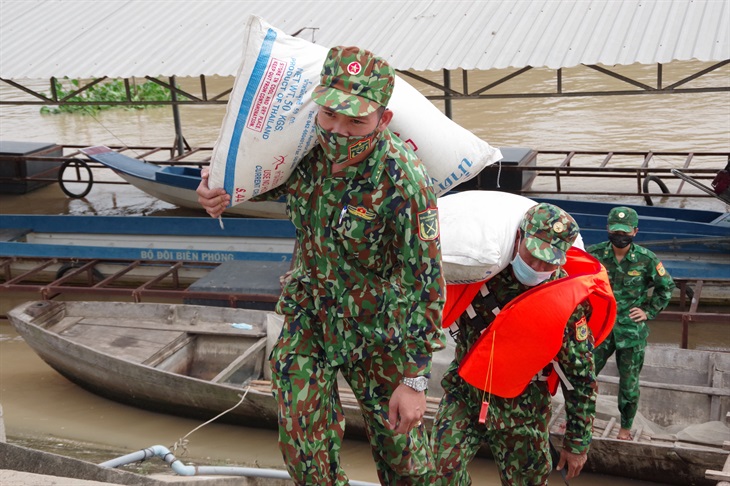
(525,273)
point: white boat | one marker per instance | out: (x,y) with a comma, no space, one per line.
(174,184)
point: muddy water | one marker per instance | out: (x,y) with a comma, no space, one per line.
(37,402)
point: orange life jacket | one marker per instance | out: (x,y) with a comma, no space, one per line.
(528,332)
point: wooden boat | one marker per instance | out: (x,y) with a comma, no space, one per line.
(200,361)
(195,361)
(681,424)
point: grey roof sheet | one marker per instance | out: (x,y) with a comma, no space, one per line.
(125,38)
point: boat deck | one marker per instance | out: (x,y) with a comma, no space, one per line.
(150,281)
(136,279)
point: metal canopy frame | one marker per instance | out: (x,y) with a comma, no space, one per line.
(450,94)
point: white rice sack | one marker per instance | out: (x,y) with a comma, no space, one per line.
(478,230)
(450,152)
(269,121)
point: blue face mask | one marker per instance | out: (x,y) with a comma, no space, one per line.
(525,273)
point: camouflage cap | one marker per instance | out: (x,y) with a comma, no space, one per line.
(622,218)
(354,82)
(549,232)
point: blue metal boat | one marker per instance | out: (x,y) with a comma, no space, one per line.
(149,238)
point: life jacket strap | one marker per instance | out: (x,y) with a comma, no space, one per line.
(553,366)
(488,301)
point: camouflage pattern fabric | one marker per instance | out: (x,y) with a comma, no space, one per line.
(354,82)
(516,429)
(629,362)
(341,149)
(311,419)
(549,232)
(365,297)
(623,219)
(631,279)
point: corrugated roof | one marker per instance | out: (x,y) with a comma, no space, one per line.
(126,38)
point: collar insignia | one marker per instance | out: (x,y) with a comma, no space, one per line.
(358,147)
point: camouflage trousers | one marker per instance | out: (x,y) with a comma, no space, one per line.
(312,422)
(516,430)
(629,362)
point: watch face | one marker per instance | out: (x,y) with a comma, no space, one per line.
(418,383)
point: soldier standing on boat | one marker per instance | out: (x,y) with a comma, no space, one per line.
(633,271)
(558,311)
(366,291)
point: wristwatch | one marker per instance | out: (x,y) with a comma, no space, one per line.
(418,383)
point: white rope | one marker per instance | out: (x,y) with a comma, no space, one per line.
(183,442)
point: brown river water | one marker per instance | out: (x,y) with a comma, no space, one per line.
(38,403)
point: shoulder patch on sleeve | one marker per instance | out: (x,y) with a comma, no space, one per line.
(581,329)
(428,224)
(660,269)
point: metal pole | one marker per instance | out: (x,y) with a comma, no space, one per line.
(176,118)
(447,86)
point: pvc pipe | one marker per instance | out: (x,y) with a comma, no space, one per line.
(179,468)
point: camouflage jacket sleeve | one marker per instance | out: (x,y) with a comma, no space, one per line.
(422,279)
(576,361)
(663,287)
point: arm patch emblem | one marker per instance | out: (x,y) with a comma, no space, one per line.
(581,329)
(428,224)
(660,269)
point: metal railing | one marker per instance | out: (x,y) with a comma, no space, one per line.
(153,280)
(545,172)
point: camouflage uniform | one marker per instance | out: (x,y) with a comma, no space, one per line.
(631,279)
(365,299)
(517,428)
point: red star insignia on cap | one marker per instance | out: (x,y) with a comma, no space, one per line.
(354,67)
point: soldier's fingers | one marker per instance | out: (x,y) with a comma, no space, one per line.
(573,472)
(393,418)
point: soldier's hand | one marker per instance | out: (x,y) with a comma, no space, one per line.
(406,409)
(637,315)
(575,463)
(214,201)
